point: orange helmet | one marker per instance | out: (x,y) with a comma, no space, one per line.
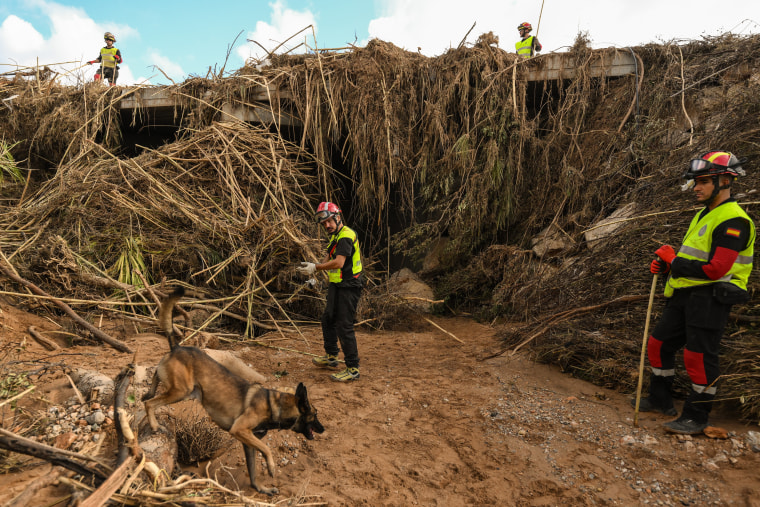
(524,26)
(714,163)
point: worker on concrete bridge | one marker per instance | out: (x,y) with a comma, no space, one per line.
(707,275)
(529,45)
(109,58)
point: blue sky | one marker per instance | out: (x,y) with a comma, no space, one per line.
(186,38)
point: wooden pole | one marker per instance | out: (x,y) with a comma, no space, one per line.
(538,25)
(643,352)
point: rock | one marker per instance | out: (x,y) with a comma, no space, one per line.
(93,385)
(55,430)
(649,440)
(719,458)
(97,417)
(141,374)
(608,226)
(160,447)
(407,285)
(715,432)
(627,440)
(65,440)
(709,465)
(753,440)
(550,241)
(236,365)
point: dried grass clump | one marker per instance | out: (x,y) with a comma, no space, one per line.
(50,122)
(227,209)
(459,146)
(696,97)
(198,438)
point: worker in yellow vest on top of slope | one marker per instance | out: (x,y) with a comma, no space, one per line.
(529,45)
(108,58)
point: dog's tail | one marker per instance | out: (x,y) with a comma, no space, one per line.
(165,314)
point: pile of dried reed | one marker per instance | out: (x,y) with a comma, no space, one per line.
(459,146)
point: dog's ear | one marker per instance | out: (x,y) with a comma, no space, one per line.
(302,398)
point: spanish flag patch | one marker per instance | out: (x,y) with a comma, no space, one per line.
(733,232)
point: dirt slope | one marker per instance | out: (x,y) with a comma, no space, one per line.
(431,424)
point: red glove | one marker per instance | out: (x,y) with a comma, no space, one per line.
(91,62)
(117,58)
(666,253)
(659,267)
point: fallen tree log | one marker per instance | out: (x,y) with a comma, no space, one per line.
(113,342)
(86,466)
(45,342)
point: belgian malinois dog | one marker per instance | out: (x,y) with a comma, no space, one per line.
(245,409)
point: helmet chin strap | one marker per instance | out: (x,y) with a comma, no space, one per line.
(717,188)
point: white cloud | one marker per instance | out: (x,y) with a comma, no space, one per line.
(284,24)
(74,39)
(436,25)
(17,36)
(171,69)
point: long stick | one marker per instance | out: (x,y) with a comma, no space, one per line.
(538,26)
(439,327)
(113,342)
(643,352)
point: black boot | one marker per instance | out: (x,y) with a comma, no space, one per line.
(696,411)
(659,399)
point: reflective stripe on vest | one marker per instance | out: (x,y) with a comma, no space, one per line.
(698,243)
(336,275)
(107,57)
(525,47)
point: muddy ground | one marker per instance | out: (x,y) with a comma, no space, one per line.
(430,423)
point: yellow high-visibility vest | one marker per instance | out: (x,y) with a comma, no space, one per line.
(698,243)
(336,275)
(107,57)
(525,47)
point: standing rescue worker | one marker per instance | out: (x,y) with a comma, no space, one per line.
(343,264)
(108,58)
(707,275)
(529,45)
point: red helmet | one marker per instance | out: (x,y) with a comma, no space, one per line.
(326,210)
(714,163)
(524,26)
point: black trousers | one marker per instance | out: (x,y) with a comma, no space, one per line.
(110,74)
(338,322)
(693,319)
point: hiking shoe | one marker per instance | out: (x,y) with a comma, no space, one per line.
(346,375)
(646,405)
(328,361)
(685,426)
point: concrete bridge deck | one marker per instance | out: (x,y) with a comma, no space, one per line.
(159,104)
